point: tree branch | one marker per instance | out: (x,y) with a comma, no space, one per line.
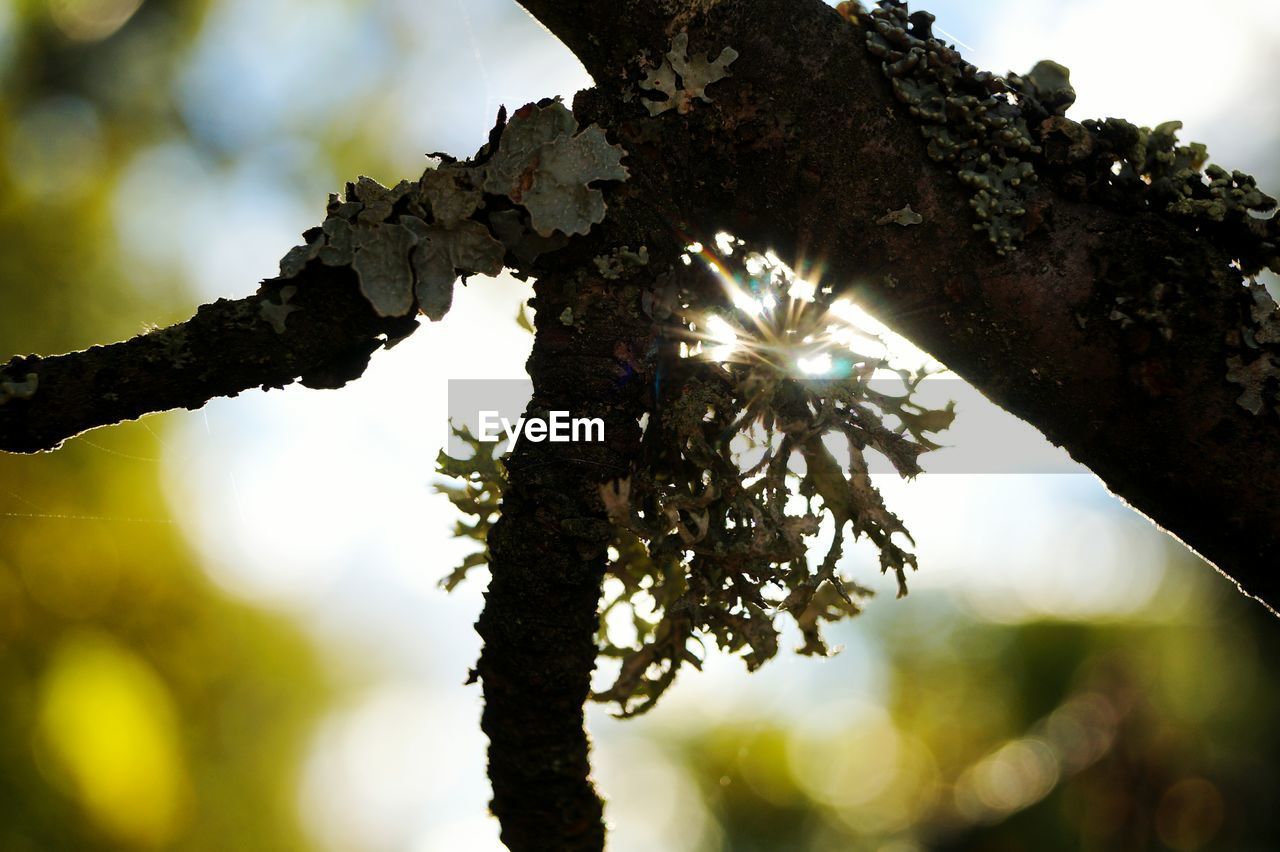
(324,334)
(804,147)
(548,547)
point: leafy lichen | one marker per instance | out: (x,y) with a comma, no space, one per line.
(1264,316)
(972,119)
(683,78)
(277,313)
(1002,136)
(612,265)
(543,166)
(19,389)
(409,243)
(904,217)
(1258,378)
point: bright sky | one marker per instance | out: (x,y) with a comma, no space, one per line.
(320,503)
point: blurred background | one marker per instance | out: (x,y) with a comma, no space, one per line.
(223,629)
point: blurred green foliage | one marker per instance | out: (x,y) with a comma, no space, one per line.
(139,707)
(1150,732)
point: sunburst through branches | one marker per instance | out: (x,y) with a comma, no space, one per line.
(769,393)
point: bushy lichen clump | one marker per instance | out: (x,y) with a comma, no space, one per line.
(409,243)
(744,462)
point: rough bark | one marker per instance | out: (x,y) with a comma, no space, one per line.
(227,347)
(548,550)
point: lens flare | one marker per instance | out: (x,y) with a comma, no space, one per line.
(788,322)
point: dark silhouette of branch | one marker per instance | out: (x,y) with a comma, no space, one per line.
(317,328)
(548,550)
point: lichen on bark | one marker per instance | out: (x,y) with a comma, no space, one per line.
(706,544)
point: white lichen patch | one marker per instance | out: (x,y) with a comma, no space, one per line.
(541,165)
(683,78)
(440,251)
(611,266)
(904,217)
(412,241)
(382,263)
(25,389)
(278,314)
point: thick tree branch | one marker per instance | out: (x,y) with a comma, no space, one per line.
(804,148)
(606,37)
(227,347)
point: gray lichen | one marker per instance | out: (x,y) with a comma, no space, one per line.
(13,389)
(381,260)
(529,129)
(1153,306)
(451,194)
(904,217)
(1003,136)
(441,251)
(684,78)
(541,165)
(559,197)
(1255,366)
(1254,378)
(1121,164)
(613,265)
(398,245)
(409,243)
(973,120)
(278,314)
(1047,85)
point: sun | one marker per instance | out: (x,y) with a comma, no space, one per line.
(792,324)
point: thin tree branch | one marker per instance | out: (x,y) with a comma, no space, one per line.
(323,333)
(548,549)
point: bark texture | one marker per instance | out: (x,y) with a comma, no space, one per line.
(323,334)
(548,549)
